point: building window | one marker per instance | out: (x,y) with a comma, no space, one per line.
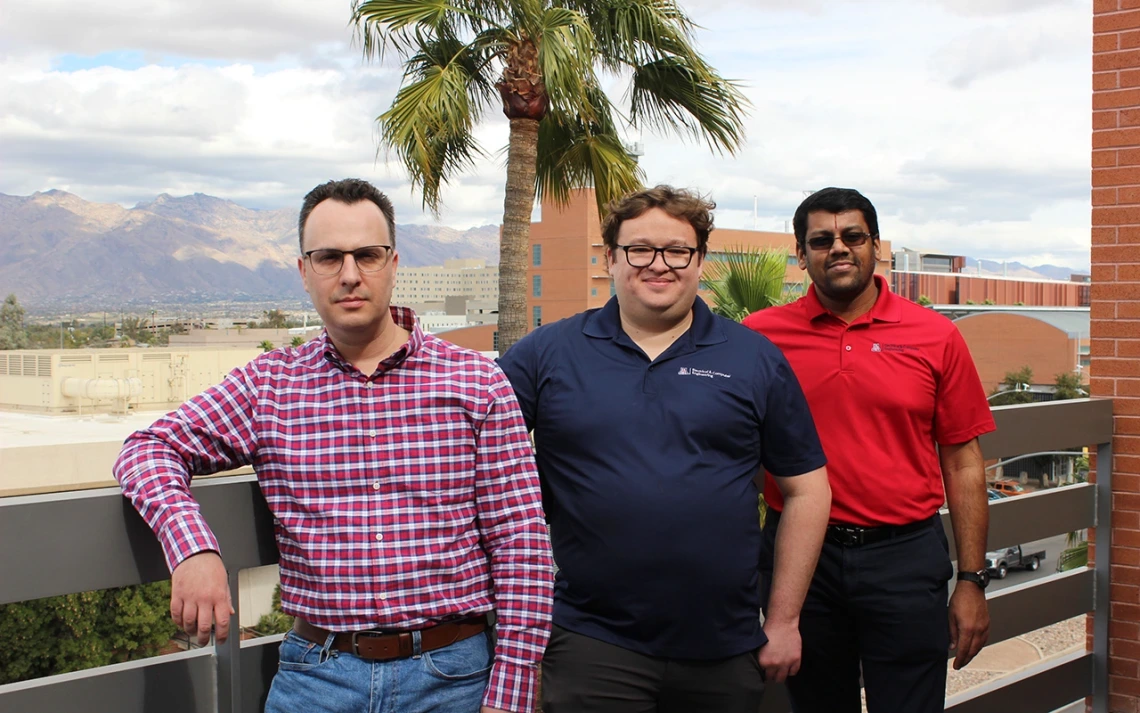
(593,291)
(536,320)
(613,290)
(536,255)
(495,340)
(793,260)
(536,285)
(593,259)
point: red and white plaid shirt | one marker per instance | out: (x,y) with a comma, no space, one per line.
(400,499)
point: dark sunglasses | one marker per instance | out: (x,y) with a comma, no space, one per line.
(851,240)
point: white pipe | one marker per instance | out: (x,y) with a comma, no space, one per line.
(101,389)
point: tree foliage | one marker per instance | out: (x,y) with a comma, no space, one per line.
(13,335)
(1068,385)
(1012,389)
(746,281)
(79,631)
(925,301)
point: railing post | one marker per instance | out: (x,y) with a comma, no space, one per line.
(229,657)
(1103,564)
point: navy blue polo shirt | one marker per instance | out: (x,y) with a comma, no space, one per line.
(647,475)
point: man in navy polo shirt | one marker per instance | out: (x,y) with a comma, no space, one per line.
(651,418)
(900,408)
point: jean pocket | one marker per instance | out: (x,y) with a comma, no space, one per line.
(462,660)
(299,654)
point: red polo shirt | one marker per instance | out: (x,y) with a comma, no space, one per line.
(882,390)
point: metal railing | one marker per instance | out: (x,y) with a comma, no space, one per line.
(74,542)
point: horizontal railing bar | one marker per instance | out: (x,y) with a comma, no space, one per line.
(1048,426)
(177,683)
(1035,516)
(1029,606)
(1041,688)
(95,539)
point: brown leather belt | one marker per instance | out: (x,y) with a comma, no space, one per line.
(388,645)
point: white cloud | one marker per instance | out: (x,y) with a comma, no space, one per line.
(966,122)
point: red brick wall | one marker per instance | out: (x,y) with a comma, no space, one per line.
(1115,312)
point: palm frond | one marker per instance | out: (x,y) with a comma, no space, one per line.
(565,57)
(430,123)
(743,281)
(683,92)
(381,24)
(574,153)
(634,32)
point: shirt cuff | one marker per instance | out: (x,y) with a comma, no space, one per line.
(512,687)
(185,536)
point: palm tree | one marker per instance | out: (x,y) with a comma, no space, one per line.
(538,60)
(265,346)
(746,281)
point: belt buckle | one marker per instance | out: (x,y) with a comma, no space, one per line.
(850,536)
(371,634)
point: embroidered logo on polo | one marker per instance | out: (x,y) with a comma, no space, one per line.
(897,348)
(707,373)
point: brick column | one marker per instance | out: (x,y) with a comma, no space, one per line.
(1115,313)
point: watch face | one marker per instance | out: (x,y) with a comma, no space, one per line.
(985,575)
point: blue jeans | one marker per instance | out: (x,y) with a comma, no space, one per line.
(313,677)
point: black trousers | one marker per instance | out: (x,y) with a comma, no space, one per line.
(581,674)
(880,608)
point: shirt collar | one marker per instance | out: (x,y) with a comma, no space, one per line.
(885,309)
(403,317)
(606,324)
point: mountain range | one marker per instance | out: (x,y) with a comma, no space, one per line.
(63,251)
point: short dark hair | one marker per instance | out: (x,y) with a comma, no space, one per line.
(348,191)
(680,203)
(833,200)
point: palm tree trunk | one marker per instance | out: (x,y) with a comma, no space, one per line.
(513,246)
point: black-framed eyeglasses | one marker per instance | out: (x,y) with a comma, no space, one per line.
(329,261)
(851,240)
(676,257)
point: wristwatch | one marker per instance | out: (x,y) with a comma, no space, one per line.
(980,578)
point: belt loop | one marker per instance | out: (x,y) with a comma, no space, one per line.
(417,644)
(327,651)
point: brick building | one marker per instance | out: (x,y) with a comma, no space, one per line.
(1115,315)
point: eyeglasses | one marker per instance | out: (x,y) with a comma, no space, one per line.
(676,257)
(329,261)
(851,240)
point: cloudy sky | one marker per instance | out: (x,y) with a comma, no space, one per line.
(966,122)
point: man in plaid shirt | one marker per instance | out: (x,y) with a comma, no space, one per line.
(403,488)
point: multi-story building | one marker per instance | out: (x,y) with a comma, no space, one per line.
(469,276)
(944,280)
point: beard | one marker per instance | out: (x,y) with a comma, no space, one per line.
(845,288)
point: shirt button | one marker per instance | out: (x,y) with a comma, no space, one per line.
(372,434)
(379,536)
(383,597)
(376,485)
(368,384)
(848,347)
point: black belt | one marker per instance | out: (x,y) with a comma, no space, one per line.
(856,536)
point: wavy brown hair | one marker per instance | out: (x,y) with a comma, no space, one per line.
(681,203)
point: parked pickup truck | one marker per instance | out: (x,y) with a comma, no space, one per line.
(999,563)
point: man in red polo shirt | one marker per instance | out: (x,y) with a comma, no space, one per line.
(899,408)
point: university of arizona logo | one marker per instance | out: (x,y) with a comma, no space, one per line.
(876,348)
(706,373)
